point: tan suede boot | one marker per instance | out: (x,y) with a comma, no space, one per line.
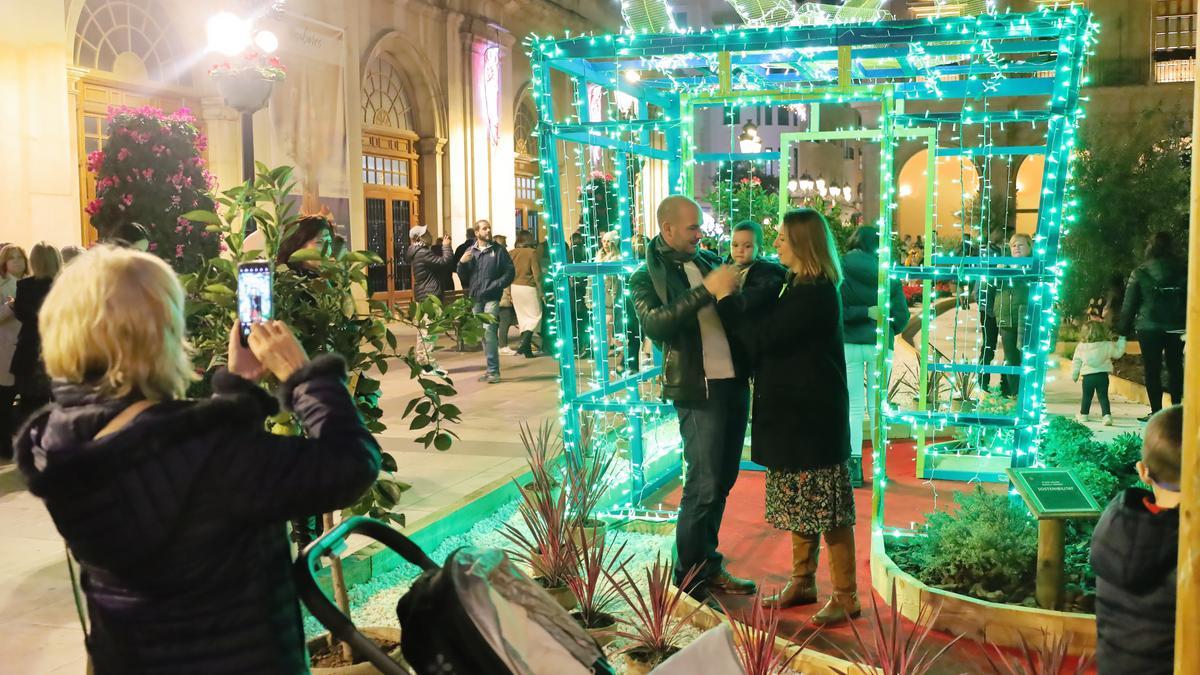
(843,606)
(801,589)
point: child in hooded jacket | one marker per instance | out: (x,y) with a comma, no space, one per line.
(1134,552)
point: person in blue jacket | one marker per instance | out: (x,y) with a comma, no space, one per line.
(860,317)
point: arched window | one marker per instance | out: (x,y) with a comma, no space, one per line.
(525,147)
(135,41)
(524,122)
(383,98)
(131,38)
(391,177)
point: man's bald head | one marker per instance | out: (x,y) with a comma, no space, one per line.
(679,221)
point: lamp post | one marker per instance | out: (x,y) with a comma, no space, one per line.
(749,142)
(247,88)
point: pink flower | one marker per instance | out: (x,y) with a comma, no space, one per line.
(181,221)
(152,247)
(123,155)
(148,173)
(178,250)
(94,160)
(158,149)
(203,235)
(127,199)
(175,199)
(223,248)
(104,183)
(93,206)
(201,142)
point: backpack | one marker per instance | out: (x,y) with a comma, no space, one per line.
(476,615)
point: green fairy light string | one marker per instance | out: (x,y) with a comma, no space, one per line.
(962,85)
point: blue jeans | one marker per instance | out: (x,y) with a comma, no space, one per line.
(491,348)
(713,433)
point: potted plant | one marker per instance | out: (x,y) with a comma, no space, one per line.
(654,631)
(897,649)
(755,631)
(545,544)
(595,588)
(320,309)
(152,172)
(586,472)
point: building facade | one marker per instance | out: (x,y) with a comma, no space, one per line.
(394,112)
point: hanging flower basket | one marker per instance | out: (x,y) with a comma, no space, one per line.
(244,91)
(246,86)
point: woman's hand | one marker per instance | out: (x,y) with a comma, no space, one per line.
(277,349)
(241,361)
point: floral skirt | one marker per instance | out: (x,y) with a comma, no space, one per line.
(811,501)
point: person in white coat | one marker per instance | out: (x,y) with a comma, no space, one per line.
(14,265)
(1093,360)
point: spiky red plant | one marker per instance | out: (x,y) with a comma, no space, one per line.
(592,584)
(755,630)
(655,627)
(897,650)
(1049,658)
(545,543)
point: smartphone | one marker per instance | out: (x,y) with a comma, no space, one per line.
(254,296)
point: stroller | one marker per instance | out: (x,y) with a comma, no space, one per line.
(476,615)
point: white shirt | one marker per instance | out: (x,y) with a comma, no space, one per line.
(1096,357)
(718,360)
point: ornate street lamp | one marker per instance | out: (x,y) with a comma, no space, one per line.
(245,85)
(749,141)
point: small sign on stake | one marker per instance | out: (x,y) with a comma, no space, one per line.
(1052,495)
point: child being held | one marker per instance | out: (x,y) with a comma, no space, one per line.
(1094,360)
(1134,553)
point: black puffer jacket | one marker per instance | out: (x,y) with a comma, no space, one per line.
(1134,554)
(1155,297)
(429,268)
(667,308)
(178,518)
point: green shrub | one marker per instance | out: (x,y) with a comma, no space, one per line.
(986,548)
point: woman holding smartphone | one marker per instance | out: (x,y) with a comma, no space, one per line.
(801,430)
(175,508)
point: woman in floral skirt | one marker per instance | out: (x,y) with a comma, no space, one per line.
(800,430)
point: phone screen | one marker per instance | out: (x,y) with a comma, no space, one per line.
(254,296)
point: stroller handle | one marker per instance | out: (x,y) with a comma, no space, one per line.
(323,609)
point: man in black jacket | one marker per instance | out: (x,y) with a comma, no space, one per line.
(429,268)
(490,270)
(674,294)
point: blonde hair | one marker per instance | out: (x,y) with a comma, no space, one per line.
(1094,331)
(812,244)
(114,319)
(1025,237)
(12,251)
(44,261)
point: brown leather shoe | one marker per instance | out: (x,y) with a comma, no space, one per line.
(840,609)
(798,591)
(724,582)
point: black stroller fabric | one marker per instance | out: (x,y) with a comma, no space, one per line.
(480,615)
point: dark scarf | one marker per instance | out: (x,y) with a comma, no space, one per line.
(668,253)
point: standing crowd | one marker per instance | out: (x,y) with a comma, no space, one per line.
(152,490)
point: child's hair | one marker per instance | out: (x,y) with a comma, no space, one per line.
(754,229)
(1094,331)
(1162,447)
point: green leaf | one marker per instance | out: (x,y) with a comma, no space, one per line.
(419,422)
(423,407)
(201,216)
(219,290)
(305,255)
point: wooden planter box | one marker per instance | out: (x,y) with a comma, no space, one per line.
(1000,624)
